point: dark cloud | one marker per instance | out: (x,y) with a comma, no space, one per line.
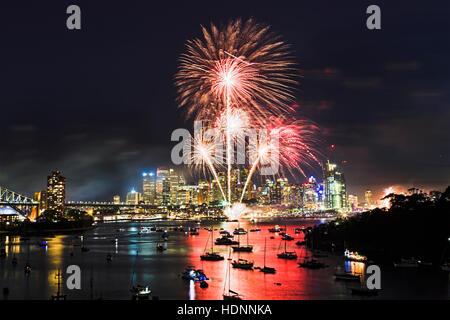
(99,104)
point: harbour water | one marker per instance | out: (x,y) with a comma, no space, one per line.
(134,259)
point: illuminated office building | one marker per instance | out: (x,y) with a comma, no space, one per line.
(174,185)
(134,197)
(116,199)
(149,187)
(56,192)
(334,187)
(162,186)
(203,192)
(352,202)
(310,192)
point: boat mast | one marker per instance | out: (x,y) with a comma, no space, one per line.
(265,240)
(212,239)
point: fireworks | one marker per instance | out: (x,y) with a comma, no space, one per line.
(244,61)
(239,80)
(288,146)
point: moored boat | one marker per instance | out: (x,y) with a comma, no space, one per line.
(194,274)
(287,237)
(240,231)
(211,256)
(225,241)
(242,264)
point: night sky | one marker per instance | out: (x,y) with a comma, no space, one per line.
(99,103)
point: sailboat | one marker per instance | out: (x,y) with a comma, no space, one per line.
(229,294)
(266,269)
(211,256)
(245,248)
(138,292)
(289,255)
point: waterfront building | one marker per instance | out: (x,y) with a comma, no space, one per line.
(334,187)
(134,197)
(148,187)
(56,192)
(116,199)
(352,202)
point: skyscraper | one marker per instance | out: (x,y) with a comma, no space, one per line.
(56,192)
(162,186)
(310,201)
(275,192)
(203,192)
(335,188)
(174,185)
(148,187)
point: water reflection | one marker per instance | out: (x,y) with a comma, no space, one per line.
(136,253)
(355,268)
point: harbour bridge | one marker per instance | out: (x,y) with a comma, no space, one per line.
(21,204)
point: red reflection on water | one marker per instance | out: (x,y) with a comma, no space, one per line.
(287,283)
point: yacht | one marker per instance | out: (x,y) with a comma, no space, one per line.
(225,241)
(266,269)
(211,256)
(287,237)
(229,294)
(288,255)
(239,231)
(242,264)
(194,274)
(275,229)
(244,248)
(140,292)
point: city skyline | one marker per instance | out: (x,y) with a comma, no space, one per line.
(316,194)
(107,131)
(250,151)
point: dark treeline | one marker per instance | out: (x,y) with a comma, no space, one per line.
(416,225)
